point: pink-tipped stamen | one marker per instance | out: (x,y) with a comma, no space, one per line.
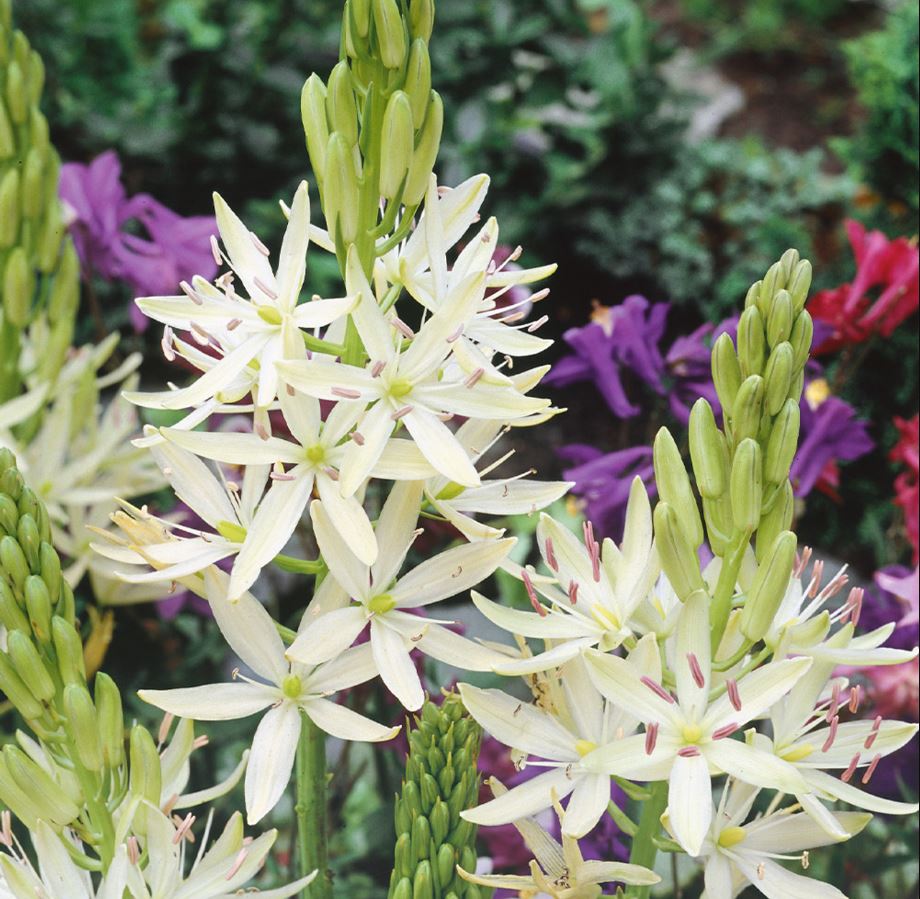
(282,476)
(851,769)
(855,697)
(377,367)
(734,696)
(532,594)
(191,293)
(801,561)
(346,393)
(835,702)
(550,555)
(401,413)
(134,851)
(271,294)
(258,244)
(696,670)
(725,731)
(657,689)
(358,437)
(166,344)
(234,323)
(474,377)
(873,734)
(184,827)
(165,725)
(456,335)
(237,863)
(831,733)
(871,769)
(688,752)
(573,592)
(402,327)
(651,737)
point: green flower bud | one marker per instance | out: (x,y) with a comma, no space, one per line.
(777,519)
(418,79)
(29,666)
(674,486)
(9,516)
(404,856)
(799,285)
(717,513)
(51,803)
(361,16)
(50,241)
(421,18)
(426,152)
(11,615)
(50,568)
(439,821)
(772,281)
(753,295)
(779,319)
(7,461)
(315,124)
(397,139)
(32,184)
(29,540)
(423,882)
(39,133)
(111,720)
(768,587)
(445,863)
(788,261)
(12,686)
(341,110)
(783,442)
(391,33)
(83,726)
(421,837)
(747,485)
(402,890)
(708,451)
(428,790)
(678,555)
(340,185)
(798,384)
(801,338)
(7,136)
(778,377)
(38,607)
(726,372)
(17,288)
(9,208)
(13,561)
(751,342)
(19,802)
(11,483)
(17,98)
(64,296)
(146,777)
(748,409)
(68,647)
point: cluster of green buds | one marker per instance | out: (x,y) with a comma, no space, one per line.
(39,269)
(742,469)
(374,128)
(73,770)
(441,781)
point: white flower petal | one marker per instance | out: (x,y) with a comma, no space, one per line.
(396,531)
(328,636)
(247,260)
(342,722)
(692,642)
(690,802)
(587,805)
(440,447)
(271,760)
(718,877)
(792,833)
(292,260)
(524,800)
(349,519)
(360,459)
(835,788)
(446,646)
(213,702)
(236,449)
(776,882)
(621,684)
(194,483)
(345,567)
(395,665)
(754,766)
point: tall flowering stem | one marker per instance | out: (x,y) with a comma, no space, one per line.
(310,809)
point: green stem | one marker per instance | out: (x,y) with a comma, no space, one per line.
(725,587)
(310,809)
(644,850)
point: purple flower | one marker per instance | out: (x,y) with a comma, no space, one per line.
(830,432)
(603,481)
(100,212)
(618,336)
(894,597)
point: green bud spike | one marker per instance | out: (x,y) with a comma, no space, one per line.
(674,486)
(111,720)
(11,615)
(19,802)
(708,451)
(52,804)
(717,514)
(751,342)
(17,288)
(13,561)
(29,540)
(799,285)
(431,836)
(340,186)
(777,519)
(9,516)
(418,79)
(32,178)
(391,33)
(783,442)
(83,726)
(69,651)
(17,100)
(747,486)
(50,569)
(361,16)
(788,261)
(9,209)
(772,281)
(421,19)
(315,124)
(341,110)
(779,318)
(426,152)
(29,666)
(800,339)
(15,690)
(398,137)
(768,587)
(748,409)
(726,372)
(778,377)
(38,608)
(678,556)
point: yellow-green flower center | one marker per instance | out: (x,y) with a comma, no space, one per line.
(797,753)
(292,686)
(231,531)
(731,836)
(691,733)
(270,315)
(400,387)
(583,747)
(316,454)
(381,603)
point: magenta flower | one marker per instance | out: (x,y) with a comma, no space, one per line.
(175,249)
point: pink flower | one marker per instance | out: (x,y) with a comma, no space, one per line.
(907,483)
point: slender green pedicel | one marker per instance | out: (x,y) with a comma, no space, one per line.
(441,780)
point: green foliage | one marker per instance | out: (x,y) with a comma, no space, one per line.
(885,69)
(761,25)
(710,226)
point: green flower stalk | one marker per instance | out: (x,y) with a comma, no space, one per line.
(441,781)
(39,270)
